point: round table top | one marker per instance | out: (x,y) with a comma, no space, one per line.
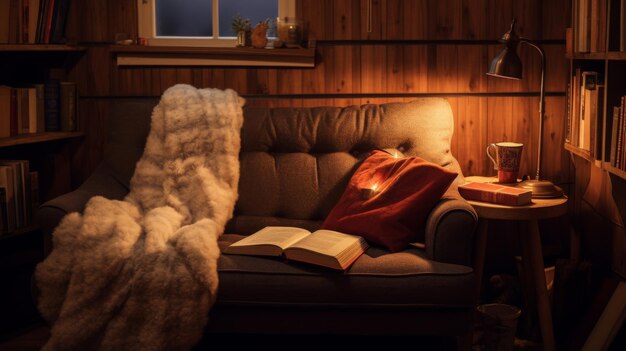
(537,209)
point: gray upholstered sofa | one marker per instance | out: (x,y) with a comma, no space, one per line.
(295,164)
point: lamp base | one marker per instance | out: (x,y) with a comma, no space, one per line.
(542,189)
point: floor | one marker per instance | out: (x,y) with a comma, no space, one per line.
(34,338)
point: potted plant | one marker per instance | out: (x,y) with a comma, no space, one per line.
(241,26)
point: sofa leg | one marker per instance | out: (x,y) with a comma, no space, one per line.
(464,342)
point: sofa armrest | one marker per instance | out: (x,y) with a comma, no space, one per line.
(450,230)
(101,182)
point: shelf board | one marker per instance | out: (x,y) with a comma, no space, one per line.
(578,151)
(616,55)
(589,56)
(138,55)
(39,48)
(618,172)
(20,231)
(38,138)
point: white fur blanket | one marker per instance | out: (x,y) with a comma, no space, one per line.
(141,274)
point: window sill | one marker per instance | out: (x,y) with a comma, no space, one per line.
(137,55)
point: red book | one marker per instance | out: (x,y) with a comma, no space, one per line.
(495,193)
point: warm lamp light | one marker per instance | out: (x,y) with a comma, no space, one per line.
(507,64)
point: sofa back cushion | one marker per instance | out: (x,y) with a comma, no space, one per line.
(296,162)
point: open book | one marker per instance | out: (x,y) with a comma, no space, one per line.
(322,247)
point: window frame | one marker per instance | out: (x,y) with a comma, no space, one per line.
(147,26)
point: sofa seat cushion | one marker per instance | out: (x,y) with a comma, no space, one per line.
(378,278)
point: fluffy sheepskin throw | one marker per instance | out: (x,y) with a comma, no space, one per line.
(141,274)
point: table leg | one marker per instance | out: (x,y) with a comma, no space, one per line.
(481,249)
(534,256)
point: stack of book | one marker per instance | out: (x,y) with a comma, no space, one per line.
(33,21)
(19,195)
(616,128)
(49,106)
(495,193)
(584,115)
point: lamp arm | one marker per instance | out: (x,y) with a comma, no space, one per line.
(541,102)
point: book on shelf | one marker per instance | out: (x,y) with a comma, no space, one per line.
(21,188)
(5,111)
(7,202)
(574,101)
(67,106)
(588,109)
(614,128)
(495,193)
(322,247)
(582,23)
(597,26)
(33,21)
(51,105)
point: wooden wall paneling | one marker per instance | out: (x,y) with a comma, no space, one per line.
(415,68)
(557,68)
(289,81)
(500,14)
(524,124)
(131,81)
(454,105)
(316,102)
(217,78)
(499,122)
(184,75)
(395,69)
(317,18)
(235,78)
(344,73)
(377,15)
(87,21)
(442,68)
(392,19)
(346,16)
(531,70)
(200,78)
(414,19)
(474,19)
(373,69)
(92,72)
(313,80)
(471,135)
(555,161)
(265,81)
(99,21)
(444,19)
(379,100)
(165,78)
(472,66)
(89,150)
(557,17)
(529,18)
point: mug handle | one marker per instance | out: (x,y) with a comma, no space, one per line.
(492,147)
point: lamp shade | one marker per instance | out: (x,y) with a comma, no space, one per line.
(507,64)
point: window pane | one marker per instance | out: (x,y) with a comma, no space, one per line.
(255,10)
(184,18)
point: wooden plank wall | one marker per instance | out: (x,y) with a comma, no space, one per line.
(416,48)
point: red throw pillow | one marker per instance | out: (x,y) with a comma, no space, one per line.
(388,199)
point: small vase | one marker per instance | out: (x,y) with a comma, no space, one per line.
(241,38)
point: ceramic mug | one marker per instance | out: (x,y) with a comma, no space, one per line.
(506,160)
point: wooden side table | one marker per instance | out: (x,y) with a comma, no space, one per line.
(527,216)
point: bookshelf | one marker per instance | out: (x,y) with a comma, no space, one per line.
(598,45)
(49,153)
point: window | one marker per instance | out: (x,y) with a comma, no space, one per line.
(203,22)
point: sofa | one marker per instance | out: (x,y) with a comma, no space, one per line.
(295,164)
